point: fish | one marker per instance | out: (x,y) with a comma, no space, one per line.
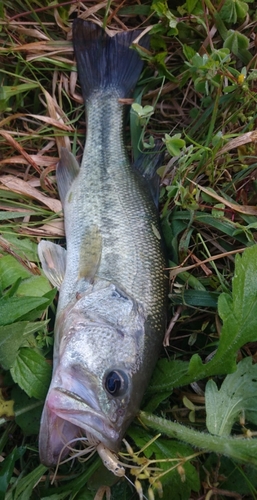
(111,312)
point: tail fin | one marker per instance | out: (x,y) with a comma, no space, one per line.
(106,62)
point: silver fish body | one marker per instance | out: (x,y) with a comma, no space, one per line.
(111,310)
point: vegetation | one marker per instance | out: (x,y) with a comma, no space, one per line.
(197,95)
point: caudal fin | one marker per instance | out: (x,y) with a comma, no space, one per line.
(106,62)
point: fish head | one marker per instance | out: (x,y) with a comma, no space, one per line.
(98,379)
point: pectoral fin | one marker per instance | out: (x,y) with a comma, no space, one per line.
(67,170)
(90,254)
(53,261)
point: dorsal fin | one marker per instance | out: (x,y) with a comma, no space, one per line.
(53,261)
(66,171)
(147,165)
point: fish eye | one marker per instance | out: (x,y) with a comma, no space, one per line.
(116,383)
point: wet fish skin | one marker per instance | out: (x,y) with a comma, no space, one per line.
(112,304)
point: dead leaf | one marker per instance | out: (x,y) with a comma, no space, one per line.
(41,160)
(17,185)
(239,141)
(174,271)
(242,209)
(54,229)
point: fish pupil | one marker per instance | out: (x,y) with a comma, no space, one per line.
(116,383)
(113,383)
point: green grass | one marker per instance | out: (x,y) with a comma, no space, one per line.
(198,95)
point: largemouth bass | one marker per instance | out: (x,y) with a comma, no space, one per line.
(111,311)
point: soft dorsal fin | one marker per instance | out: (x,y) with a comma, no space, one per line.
(90,254)
(147,165)
(53,261)
(67,170)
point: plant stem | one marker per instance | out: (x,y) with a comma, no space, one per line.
(241,449)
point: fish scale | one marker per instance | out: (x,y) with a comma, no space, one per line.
(111,311)
(112,197)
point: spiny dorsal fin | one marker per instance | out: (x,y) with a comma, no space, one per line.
(67,170)
(90,254)
(53,261)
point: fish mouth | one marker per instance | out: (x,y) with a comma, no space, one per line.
(65,416)
(73,408)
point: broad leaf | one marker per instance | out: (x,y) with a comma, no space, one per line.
(168,374)
(14,308)
(238,313)
(10,271)
(32,373)
(236,396)
(14,336)
(27,411)
(36,286)
(232,10)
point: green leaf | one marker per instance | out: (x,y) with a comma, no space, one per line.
(10,271)
(23,246)
(155,400)
(162,10)
(14,336)
(190,5)
(196,298)
(235,478)
(60,496)
(27,411)
(24,486)
(135,10)
(188,51)
(6,470)
(174,144)
(8,91)
(232,10)
(235,41)
(142,111)
(32,373)
(236,396)
(37,311)
(7,215)
(14,308)
(238,313)
(168,374)
(36,286)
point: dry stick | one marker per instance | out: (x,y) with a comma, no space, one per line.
(166,340)
(177,270)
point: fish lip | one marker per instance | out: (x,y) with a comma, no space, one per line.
(71,394)
(96,423)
